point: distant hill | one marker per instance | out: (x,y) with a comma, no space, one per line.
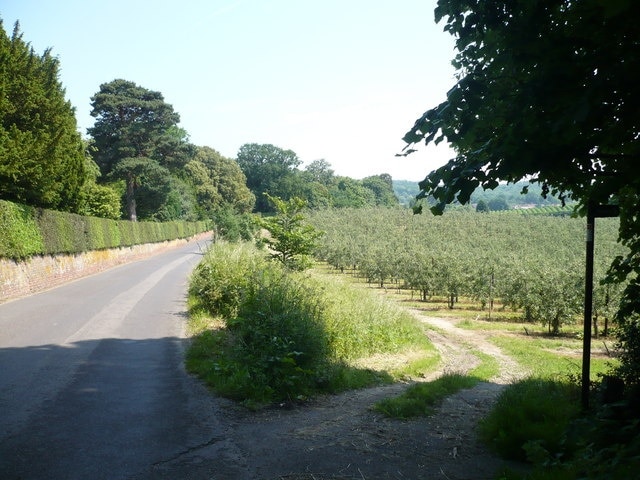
(406,191)
(509,195)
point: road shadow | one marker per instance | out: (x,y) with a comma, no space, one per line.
(96,409)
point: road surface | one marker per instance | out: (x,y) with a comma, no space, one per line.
(92,387)
(92,383)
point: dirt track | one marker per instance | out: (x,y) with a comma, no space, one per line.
(341,437)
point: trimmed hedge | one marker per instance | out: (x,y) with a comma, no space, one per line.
(27,231)
(19,233)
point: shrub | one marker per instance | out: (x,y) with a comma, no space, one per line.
(27,231)
(58,231)
(220,279)
(283,335)
(101,201)
(274,345)
(95,234)
(279,326)
(232,226)
(530,419)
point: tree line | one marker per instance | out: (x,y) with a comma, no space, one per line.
(137,162)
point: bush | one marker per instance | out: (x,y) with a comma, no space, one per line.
(232,226)
(53,235)
(61,232)
(220,280)
(282,335)
(279,326)
(101,201)
(98,233)
(275,345)
(530,419)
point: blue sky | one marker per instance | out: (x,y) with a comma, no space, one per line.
(340,80)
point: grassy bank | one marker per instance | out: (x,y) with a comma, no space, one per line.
(263,334)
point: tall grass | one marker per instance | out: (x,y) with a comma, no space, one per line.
(359,323)
(279,335)
(531,417)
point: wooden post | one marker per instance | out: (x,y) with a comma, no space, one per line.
(588,307)
(593,211)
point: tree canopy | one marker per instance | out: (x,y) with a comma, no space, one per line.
(138,140)
(545,91)
(137,161)
(274,171)
(218,181)
(269,169)
(41,151)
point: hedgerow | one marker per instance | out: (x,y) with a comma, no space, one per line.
(27,231)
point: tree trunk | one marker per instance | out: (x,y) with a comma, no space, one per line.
(131,198)
(491,294)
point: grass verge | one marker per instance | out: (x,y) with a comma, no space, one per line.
(262,334)
(551,357)
(421,399)
(530,417)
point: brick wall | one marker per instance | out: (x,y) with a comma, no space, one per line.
(36,274)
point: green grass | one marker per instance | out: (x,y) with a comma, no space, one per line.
(421,399)
(262,334)
(530,419)
(550,357)
(427,361)
(361,323)
(487,369)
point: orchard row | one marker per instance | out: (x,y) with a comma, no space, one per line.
(531,264)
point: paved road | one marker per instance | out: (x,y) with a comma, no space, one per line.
(92,384)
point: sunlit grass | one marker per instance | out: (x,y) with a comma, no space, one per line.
(421,399)
(551,357)
(487,369)
(437,306)
(366,330)
(260,333)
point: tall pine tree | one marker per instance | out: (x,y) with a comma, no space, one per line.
(138,140)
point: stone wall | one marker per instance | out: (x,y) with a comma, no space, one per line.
(36,274)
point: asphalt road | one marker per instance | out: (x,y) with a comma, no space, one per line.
(92,383)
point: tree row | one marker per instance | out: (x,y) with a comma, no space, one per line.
(530,264)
